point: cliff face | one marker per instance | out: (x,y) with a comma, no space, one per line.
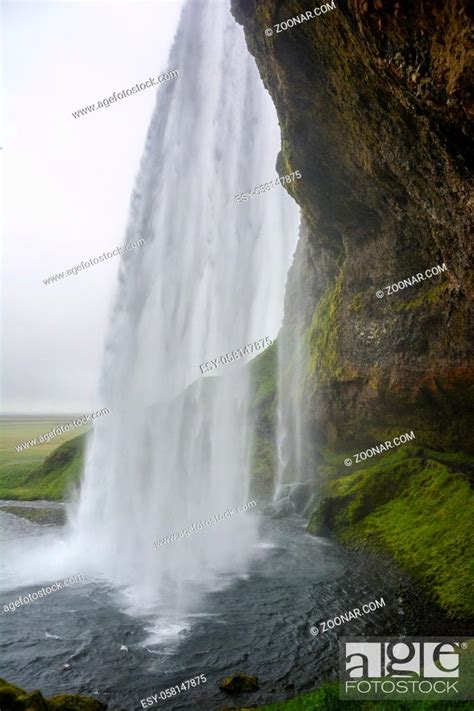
(374,99)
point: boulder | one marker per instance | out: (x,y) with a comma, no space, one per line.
(283,508)
(284,491)
(239,684)
(12,698)
(300,494)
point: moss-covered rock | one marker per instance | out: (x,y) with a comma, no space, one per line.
(12,698)
(373,105)
(374,102)
(263,402)
(322,338)
(419,506)
(43,516)
(73,702)
(239,684)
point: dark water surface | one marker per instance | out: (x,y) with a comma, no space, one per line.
(259,625)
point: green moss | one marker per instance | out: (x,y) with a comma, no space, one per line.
(73,702)
(336,459)
(417,509)
(422,297)
(263,466)
(458,460)
(263,389)
(322,337)
(12,698)
(358,303)
(326,698)
(239,684)
(60,471)
(263,376)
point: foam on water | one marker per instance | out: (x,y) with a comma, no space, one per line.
(175,449)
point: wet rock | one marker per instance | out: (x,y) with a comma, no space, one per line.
(283,508)
(73,702)
(396,200)
(239,684)
(12,698)
(43,516)
(299,496)
(33,701)
(284,491)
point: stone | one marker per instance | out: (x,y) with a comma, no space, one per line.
(239,684)
(299,495)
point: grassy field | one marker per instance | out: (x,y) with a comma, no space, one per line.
(17,429)
(326,698)
(23,474)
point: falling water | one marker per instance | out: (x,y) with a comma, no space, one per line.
(295,445)
(210,279)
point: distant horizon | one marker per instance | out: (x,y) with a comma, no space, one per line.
(38,415)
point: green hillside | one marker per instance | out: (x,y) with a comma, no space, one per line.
(51,480)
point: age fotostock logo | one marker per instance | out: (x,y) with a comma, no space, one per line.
(408,668)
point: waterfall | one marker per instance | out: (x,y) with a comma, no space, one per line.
(296,445)
(210,279)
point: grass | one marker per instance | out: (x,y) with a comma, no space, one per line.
(418,506)
(326,698)
(45,471)
(21,429)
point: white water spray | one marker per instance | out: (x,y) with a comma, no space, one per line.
(210,279)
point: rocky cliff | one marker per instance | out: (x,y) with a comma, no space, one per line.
(374,99)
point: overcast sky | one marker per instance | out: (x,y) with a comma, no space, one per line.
(67,184)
